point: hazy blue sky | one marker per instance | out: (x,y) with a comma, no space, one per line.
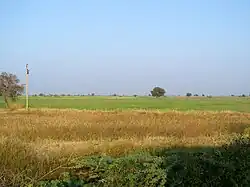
(128,46)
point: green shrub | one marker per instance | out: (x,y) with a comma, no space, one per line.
(225,166)
(140,169)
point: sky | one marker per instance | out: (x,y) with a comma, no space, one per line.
(128,46)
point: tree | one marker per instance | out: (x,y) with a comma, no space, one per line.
(158,92)
(196,95)
(188,94)
(10,87)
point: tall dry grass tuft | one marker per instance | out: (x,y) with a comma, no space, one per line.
(19,163)
(16,106)
(34,143)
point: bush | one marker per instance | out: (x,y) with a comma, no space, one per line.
(228,165)
(140,169)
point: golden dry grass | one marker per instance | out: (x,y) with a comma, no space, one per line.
(33,143)
(16,106)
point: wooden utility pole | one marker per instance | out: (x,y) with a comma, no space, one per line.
(27,87)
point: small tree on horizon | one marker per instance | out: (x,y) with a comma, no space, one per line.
(189,94)
(158,92)
(10,87)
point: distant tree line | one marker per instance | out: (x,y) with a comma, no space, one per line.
(156,92)
(56,95)
(10,89)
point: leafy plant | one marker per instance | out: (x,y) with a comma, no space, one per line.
(225,166)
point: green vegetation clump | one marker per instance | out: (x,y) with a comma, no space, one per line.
(228,165)
(158,92)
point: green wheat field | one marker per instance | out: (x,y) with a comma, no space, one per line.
(240,104)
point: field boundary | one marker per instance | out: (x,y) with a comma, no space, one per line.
(119,110)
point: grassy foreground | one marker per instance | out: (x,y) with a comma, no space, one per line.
(240,104)
(40,144)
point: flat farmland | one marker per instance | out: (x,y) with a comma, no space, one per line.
(239,104)
(40,144)
(35,145)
